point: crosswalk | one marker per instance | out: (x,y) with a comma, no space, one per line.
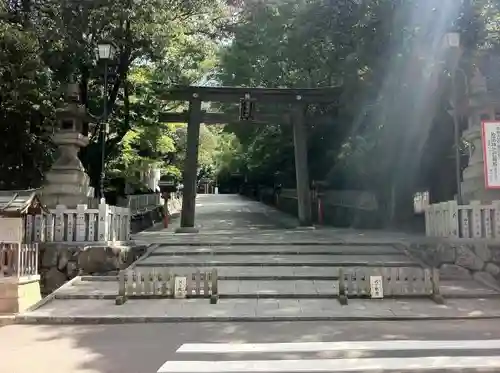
(346,356)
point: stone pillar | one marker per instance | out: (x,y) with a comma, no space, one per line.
(301,167)
(482,106)
(19,293)
(190,168)
(67,183)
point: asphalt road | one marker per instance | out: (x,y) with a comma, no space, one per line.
(144,348)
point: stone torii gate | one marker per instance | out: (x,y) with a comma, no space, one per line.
(298,99)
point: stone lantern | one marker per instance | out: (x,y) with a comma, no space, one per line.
(482,104)
(67,183)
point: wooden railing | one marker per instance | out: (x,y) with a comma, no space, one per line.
(18,260)
(343,208)
(141,202)
(83,224)
(475,220)
(356,199)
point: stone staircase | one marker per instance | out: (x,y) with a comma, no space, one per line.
(275,271)
(264,281)
(301,270)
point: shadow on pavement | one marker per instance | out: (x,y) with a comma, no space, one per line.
(143,348)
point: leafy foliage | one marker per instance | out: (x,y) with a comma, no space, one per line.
(45,43)
(390,132)
(26,108)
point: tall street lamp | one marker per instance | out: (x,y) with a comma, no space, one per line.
(105,52)
(452,43)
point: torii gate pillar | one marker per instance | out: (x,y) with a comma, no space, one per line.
(301,168)
(190,167)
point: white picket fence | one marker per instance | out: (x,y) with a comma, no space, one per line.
(83,224)
(475,220)
(18,260)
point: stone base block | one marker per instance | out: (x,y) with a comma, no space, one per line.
(18,294)
(187,230)
(473,188)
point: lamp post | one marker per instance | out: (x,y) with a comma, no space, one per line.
(452,42)
(105,52)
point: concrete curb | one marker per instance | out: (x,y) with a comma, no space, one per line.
(102,320)
(7,320)
(107,296)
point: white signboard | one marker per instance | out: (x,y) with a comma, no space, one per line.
(491,154)
(180,287)
(376,287)
(11,230)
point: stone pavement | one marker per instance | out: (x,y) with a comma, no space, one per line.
(144,348)
(269,269)
(68,309)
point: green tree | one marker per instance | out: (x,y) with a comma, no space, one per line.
(390,132)
(173,40)
(26,104)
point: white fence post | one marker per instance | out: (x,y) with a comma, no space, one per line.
(128,219)
(49,219)
(81,226)
(477,226)
(496,218)
(93,220)
(453,216)
(59,223)
(103,225)
(465,221)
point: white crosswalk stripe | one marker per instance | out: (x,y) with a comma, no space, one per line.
(451,355)
(225,348)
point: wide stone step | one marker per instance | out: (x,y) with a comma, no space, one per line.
(277,250)
(268,273)
(278,289)
(298,287)
(277,260)
(88,290)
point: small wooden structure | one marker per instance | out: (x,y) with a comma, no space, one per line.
(19,279)
(402,282)
(17,257)
(153,284)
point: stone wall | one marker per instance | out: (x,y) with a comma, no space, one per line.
(59,263)
(462,259)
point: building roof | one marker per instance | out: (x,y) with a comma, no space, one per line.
(19,201)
